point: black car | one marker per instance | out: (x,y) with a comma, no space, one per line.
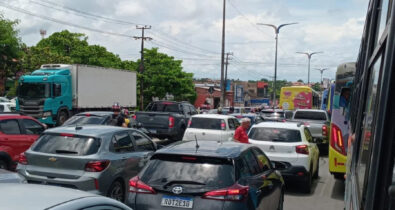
(213,175)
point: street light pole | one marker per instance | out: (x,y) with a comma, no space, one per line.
(322,71)
(309,57)
(276,31)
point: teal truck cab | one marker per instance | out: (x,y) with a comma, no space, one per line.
(55,92)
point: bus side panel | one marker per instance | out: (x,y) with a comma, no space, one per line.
(337,161)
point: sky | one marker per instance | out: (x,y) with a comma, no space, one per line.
(191,30)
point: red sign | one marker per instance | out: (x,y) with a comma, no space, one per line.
(261,84)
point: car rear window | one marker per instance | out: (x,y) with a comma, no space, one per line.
(275,134)
(306,115)
(85,120)
(211,172)
(206,123)
(67,144)
(164,107)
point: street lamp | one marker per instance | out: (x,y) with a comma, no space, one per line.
(309,57)
(276,31)
(322,71)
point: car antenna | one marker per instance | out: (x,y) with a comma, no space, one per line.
(197,145)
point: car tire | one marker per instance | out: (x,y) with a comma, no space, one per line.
(316,173)
(62,117)
(3,164)
(307,184)
(116,191)
(281,201)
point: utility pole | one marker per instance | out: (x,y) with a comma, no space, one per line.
(226,73)
(309,58)
(321,71)
(141,66)
(276,31)
(222,56)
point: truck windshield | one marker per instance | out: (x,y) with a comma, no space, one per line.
(34,90)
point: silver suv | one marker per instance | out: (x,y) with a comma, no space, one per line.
(98,159)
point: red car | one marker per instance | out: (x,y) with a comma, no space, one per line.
(17,133)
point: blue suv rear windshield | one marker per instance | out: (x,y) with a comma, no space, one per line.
(210,172)
(67,145)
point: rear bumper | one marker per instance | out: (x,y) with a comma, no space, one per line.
(162,132)
(84,183)
(294,173)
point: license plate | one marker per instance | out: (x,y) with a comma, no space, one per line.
(152,131)
(175,201)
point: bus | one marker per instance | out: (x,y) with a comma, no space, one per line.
(370,171)
(340,114)
(298,97)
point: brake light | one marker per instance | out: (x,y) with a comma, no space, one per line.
(171,122)
(234,193)
(302,149)
(67,134)
(223,125)
(189,123)
(188,158)
(337,139)
(324,130)
(87,115)
(97,165)
(22,159)
(134,117)
(137,186)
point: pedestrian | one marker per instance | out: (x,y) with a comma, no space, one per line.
(117,118)
(241,132)
(219,110)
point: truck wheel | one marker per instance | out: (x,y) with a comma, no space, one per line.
(3,165)
(62,117)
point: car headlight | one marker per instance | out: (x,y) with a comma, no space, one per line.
(47,114)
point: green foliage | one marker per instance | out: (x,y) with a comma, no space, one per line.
(163,75)
(316,86)
(300,80)
(10,48)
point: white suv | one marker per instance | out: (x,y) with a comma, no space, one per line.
(213,127)
(291,147)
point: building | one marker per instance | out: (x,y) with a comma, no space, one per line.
(209,97)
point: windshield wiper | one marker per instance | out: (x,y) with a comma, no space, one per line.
(65,151)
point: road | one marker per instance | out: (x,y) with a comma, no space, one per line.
(327,193)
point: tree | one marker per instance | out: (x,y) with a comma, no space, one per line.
(163,75)
(10,49)
(300,80)
(316,86)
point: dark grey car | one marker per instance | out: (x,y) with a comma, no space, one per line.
(39,197)
(98,159)
(227,175)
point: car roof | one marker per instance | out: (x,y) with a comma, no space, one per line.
(97,113)
(87,130)
(37,196)
(213,116)
(227,149)
(287,125)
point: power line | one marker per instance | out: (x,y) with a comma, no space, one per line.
(2,4)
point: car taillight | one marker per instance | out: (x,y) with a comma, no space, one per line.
(134,117)
(137,186)
(302,149)
(223,125)
(171,122)
(22,159)
(324,130)
(234,193)
(189,123)
(97,165)
(67,134)
(337,139)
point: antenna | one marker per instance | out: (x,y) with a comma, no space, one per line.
(197,145)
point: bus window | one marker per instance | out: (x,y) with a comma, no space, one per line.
(344,97)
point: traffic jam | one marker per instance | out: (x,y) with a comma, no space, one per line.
(227,158)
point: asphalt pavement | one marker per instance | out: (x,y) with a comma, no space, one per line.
(327,193)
